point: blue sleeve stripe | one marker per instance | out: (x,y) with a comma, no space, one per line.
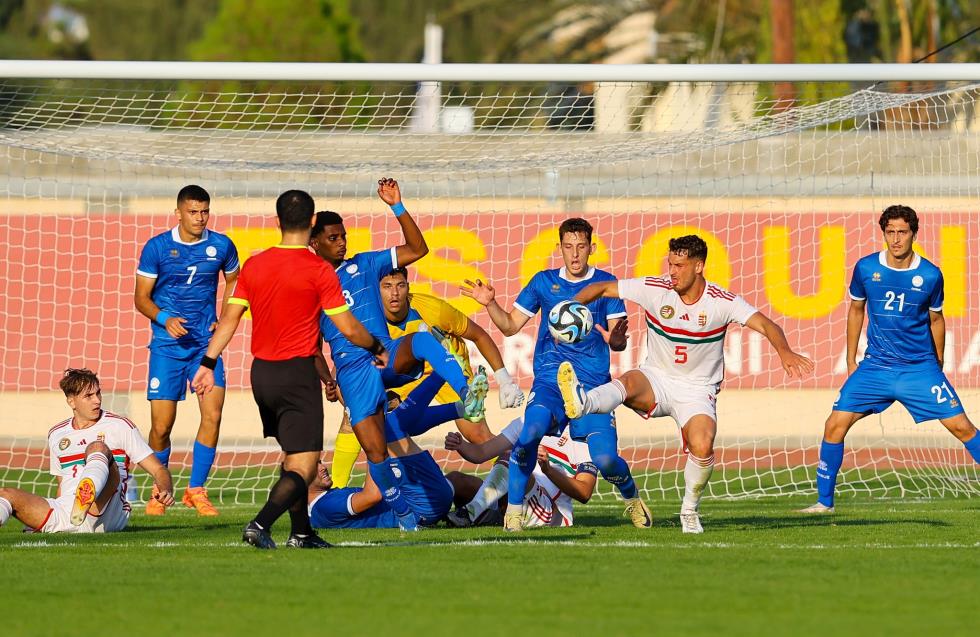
(524,310)
(149,275)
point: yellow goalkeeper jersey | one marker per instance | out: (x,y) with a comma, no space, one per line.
(430,314)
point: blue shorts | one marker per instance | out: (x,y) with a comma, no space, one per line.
(360,385)
(547,395)
(170,376)
(922,389)
(424,486)
(332,511)
(390,377)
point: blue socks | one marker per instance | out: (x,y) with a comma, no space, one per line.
(524,455)
(387,483)
(602,448)
(426,348)
(973,446)
(163,456)
(201,464)
(831,458)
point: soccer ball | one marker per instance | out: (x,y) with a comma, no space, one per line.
(569,321)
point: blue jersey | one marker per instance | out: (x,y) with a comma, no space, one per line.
(331,510)
(898,304)
(590,355)
(186,284)
(360,277)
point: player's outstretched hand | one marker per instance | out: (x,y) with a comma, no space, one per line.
(203,381)
(617,336)
(165,497)
(796,365)
(482,293)
(389,191)
(330,391)
(175,326)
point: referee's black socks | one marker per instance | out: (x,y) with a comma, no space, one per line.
(287,493)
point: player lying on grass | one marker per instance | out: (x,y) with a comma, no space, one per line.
(687,318)
(564,473)
(408,313)
(422,483)
(91,454)
(544,414)
(903,294)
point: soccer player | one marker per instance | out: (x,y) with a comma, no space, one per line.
(425,488)
(903,295)
(91,454)
(359,382)
(288,288)
(176,286)
(544,413)
(564,473)
(687,318)
(407,313)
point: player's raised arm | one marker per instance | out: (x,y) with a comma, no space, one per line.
(509,323)
(477,453)
(602,289)
(794,364)
(414,247)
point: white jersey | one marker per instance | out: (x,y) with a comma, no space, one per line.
(686,341)
(66,447)
(545,504)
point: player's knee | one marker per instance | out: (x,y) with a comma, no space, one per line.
(98,447)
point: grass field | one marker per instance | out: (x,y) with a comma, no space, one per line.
(878,567)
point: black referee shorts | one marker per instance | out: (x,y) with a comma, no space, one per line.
(288,395)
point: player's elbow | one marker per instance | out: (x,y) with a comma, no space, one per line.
(582,497)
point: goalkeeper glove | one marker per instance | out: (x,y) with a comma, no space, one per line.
(510,394)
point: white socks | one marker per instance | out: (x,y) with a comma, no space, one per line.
(6,510)
(493,488)
(96,469)
(604,398)
(697,471)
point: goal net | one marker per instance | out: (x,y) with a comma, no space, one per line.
(784,182)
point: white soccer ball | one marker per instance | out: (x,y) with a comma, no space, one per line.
(569,321)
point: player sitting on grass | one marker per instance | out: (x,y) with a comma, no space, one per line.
(544,414)
(687,318)
(90,454)
(564,473)
(903,294)
(422,483)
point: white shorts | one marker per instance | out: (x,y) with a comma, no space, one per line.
(113,518)
(678,398)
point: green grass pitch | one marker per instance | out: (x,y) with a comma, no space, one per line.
(879,567)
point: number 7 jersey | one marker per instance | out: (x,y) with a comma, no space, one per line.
(686,341)
(898,306)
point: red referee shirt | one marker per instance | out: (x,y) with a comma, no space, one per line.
(285,287)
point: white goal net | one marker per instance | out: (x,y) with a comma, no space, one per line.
(786,193)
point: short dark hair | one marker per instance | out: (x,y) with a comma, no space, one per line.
(75,381)
(899,211)
(295,210)
(325,218)
(402,270)
(690,245)
(575,225)
(193,193)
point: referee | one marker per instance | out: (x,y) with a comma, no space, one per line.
(287,287)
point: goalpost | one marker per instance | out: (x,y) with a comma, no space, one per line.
(782,169)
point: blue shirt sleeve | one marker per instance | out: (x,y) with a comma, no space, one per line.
(149,260)
(615,308)
(529,301)
(381,262)
(856,289)
(231,263)
(937,297)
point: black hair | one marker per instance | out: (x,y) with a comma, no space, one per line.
(692,246)
(295,210)
(325,218)
(904,213)
(396,271)
(575,225)
(193,193)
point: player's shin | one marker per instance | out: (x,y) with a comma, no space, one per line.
(604,398)
(346,449)
(92,480)
(831,458)
(201,463)
(163,456)
(283,494)
(973,447)
(697,472)
(493,487)
(425,347)
(603,449)
(384,477)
